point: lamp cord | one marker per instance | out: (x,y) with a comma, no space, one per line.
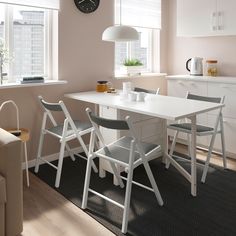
(120,10)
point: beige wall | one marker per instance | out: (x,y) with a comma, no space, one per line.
(180,49)
(83,59)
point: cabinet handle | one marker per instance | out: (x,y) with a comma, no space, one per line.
(220,20)
(179,82)
(214,21)
(193,84)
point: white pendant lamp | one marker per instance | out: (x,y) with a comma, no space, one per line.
(120,33)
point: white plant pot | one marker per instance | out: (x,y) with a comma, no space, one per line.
(132,70)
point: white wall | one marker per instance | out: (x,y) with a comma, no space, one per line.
(221,48)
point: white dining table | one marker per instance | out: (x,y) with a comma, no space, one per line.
(164,107)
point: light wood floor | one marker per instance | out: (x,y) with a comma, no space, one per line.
(47,213)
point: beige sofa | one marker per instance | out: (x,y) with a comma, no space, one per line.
(11,200)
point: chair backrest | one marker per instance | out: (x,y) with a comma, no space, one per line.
(107,123)
(57,107)
(209,99)
(205,98)
(50,106)
(137,89)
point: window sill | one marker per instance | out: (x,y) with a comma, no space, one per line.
(19,85)
(144,75)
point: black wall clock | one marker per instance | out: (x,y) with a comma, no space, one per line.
(87,6)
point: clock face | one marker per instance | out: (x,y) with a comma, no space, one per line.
(87,6)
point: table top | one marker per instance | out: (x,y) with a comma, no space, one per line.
(165,107)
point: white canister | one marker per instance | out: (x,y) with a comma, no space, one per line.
(127,87)
(141,96)
(132,96)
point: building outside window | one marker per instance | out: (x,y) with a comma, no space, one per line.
(146,49)
(27,33)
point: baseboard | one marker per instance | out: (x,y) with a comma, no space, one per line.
(52,157)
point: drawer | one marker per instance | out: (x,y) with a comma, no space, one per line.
(227,90)
(230,134)
(179,88)
(134,117)
(108,112)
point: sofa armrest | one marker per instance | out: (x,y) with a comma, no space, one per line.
(11,170)
(3,197)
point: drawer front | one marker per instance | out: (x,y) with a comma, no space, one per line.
(227,90)
(230,135)
(109,135)
(108,112)
(179,88)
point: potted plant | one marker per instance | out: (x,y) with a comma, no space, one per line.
(132,67)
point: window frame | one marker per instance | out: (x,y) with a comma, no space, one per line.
(50,38)
(153,58)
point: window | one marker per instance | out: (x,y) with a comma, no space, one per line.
(146,49)
(28,38)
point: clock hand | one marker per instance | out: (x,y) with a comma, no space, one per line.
(81,1)
(92,2)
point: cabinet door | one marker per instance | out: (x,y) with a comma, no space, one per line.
(196,18)
(227,90)
(226,17)
(230,131)
(179,88)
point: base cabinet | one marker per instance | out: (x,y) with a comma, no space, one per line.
(177,87)
(147,128)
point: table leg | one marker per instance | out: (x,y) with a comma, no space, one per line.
(164,142)
(193,157)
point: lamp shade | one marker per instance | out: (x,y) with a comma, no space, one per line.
(120,33)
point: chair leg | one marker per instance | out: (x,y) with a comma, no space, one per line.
(60,163)
(127,201)
(189,145)
(153,182)
(172,148)
(86,152)
(206,166)
(223,145)
(26,163)
(86,182)
(70,153)
(41,139)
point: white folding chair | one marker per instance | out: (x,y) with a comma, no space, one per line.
(70,129)
(202,130)
(128,152)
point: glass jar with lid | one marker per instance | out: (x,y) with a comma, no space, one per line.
(211,67)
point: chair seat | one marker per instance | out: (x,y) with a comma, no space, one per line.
(81,126)
(120,150)
(186,127)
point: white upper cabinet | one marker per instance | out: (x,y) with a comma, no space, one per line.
(206,18)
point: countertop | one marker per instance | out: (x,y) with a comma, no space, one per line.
(211,79)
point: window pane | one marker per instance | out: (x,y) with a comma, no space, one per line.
(121,53)
(28,41)
(140,50)
(2,16)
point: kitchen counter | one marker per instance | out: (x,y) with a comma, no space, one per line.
(218,79)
